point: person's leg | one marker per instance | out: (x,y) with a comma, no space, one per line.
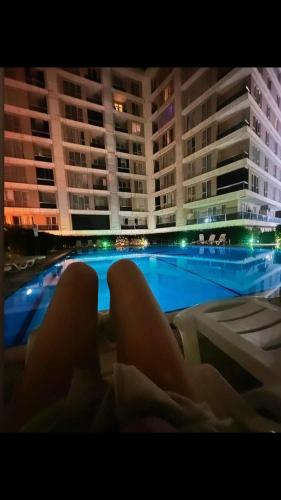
(66,340)
(144,336)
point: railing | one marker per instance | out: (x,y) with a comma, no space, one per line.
(167,205)
(97,123)
(119,128)
(40,133)
(97,144)
(124,189)
(126,209)
(122,149)
(101,187)
(232,98)
(230,130)
(232,159)
(119,87)
(22,204)
(134,226)
(95,99)
(100,166)
(40,109)
(95,77)
(34,81)
(166,224)
(234,216)
(48,159)
(101,207)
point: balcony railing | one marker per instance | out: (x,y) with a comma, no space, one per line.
(99,165)
(232,98)
(124,189)
(101,207)
(101,187)
(39,108)
(133,226)
(122,149)
(93,75)
(96,123)
(233,216)
(41,133)
(230,130)
(126,209)
(121,128)
(166,224)
(95,99)
(43,158)
(232,159)
(97,144)
(167,205)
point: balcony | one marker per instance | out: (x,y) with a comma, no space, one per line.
(119,86)
(96,123)
(93,75)
(97,144)
(41,108)
(96,99)
(134,226)
(101,187)
(44,158)
(222,72)
(234,216)
(122,149)
(126,209)
(48,227)
(166,224)
(232,159)
(121,128)
(167,205)
(101,207)
(230,130)
(232,98)
(41,133)
(123,189)
(99,165)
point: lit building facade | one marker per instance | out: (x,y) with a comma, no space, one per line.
(92,151)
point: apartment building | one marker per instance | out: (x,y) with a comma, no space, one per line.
(122,150)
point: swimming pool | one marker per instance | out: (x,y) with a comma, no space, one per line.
(178,277)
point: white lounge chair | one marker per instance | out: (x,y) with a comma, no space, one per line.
(222,239)
(90,244)
(248,330)
(78,244)
(211,239)
(19,266)
(201,240)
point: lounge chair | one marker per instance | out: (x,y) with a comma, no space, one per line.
(211,240)
(30,262)
(19,266)
(200,241)
(222,239)
(90,244)
(248,330)
(78,244)
(7,267)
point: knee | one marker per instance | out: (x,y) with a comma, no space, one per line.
(78,271)
(119,269)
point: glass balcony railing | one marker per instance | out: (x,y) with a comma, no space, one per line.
(230,130)
(233,216)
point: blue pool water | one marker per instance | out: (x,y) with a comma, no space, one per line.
(178,277)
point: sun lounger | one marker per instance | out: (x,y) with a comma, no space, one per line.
(211,240)
(7,267)
(200,241)
(221,240)
(248,330)
(78,244)
(90,244)
(19,266)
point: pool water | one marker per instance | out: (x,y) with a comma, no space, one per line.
(178,277)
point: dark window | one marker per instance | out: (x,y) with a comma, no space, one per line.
(72,89)
(135,109)
(45,176)
(95,118)
(233,181)
(39,128)
(80,221)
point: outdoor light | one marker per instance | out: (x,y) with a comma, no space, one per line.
(183,243)
(105,244)
(29,291)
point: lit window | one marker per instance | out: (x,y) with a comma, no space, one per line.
(136,128)
(118,107)
(167,93)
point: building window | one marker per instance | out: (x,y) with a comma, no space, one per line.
(266,164)
(274,193)
(267,138)
(206,137)
(207,163)
(191,194)
(256,126)
(45,176)
(77,159)
(71,89)
(275,171)
(136,128)
(118,107)
(167,93)
(268,112)
(135,109)
(73,113)
(278,100)
(206,109)
(206,189)
(276,124)
(255,184)
(275,148)
(191,146)
(137,149)
(168,137)
(258,95)
(265,189)
(269,84)
(256,155)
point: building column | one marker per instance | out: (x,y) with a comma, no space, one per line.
(65,222)
(110,149)
(180,215)
(151,222)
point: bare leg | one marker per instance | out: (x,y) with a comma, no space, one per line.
(144,336)
(66,340)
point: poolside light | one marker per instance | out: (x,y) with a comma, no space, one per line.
(105,244)
(29,291)
(183,243)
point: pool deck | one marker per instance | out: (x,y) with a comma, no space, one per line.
(14,280)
